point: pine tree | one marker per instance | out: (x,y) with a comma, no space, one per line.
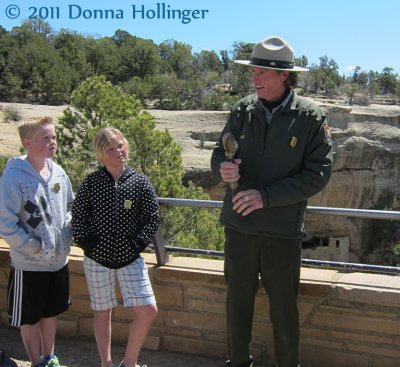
(96,103)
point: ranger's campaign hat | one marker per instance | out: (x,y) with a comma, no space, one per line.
(272,53)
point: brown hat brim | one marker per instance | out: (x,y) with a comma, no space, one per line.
(249,63)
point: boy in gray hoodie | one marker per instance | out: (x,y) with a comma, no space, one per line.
(35,202)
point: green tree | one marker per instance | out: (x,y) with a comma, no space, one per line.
(397,92)
(207,61)
(10,83)
(226,62)
(55,82)
(103,58)
(140,88)
(121,37)
(301,61)
(242,83)
(72,49)
(192,227)
(350,90)
(325,76)
(30,30)
(219,100)
(167,90)
(44,76)
(362,80)
(178,56)
(137,57)
(373,86)
(387,81)
(40,27)
(96,103)
(355,74)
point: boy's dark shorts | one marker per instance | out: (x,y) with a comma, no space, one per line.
(33,295)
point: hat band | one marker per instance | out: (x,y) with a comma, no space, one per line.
(272,63)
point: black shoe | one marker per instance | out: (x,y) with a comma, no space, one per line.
(6,361)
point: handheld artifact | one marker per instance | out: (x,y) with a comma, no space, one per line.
(230,147)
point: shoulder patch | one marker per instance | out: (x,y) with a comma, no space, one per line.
(328,136)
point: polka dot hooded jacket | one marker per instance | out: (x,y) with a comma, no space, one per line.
(114,221)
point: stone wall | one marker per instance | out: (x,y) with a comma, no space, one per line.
(347,319)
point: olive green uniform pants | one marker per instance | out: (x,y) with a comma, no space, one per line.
(277,261)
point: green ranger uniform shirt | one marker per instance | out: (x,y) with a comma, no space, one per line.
(288,160)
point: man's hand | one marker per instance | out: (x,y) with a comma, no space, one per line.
(244,202)
(230,171)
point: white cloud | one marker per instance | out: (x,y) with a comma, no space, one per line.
(350,68)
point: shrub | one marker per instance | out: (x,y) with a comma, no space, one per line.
(362,100)
(11,114)
(3,162)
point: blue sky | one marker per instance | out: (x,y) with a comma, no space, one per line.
(352,32)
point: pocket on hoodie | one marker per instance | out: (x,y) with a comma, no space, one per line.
(32,246)
(89,243)
(64,240)
(67,236)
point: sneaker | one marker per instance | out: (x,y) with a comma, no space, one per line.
(6,361)
(51,361)
(41,364)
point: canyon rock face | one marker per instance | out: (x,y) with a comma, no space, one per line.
(366,145)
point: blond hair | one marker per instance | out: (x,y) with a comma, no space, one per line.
(102,140)
(28,128)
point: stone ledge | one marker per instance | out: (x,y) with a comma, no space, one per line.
(355,286)
(351,318)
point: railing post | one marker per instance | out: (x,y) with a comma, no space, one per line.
(159,248)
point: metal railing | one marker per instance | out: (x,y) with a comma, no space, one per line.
(162,250)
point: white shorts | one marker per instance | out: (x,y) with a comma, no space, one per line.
(133,281)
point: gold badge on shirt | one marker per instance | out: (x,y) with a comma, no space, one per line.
(293,142)
(128,204)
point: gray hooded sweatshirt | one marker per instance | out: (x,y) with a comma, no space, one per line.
(35,215)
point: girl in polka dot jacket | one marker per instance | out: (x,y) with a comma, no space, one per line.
(115,212)
(114,215)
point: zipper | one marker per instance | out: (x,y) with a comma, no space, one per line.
(116,199)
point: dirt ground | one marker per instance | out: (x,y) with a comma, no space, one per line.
(186,127)
(9,139)
(74,353)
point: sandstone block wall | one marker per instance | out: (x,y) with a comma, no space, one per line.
(347,319)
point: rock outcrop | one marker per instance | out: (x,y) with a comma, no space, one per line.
(366,171)
(366,175)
